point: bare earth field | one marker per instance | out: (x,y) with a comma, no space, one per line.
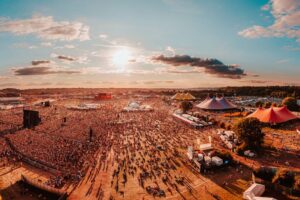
(129,153)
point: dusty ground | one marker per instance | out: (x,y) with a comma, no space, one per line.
(125,149)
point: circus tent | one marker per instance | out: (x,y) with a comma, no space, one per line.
(226,103)
(273,115)
(216,104)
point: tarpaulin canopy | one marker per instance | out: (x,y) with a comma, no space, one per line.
(273,115)
(216,104)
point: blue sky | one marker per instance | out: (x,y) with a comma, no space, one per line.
(140,43)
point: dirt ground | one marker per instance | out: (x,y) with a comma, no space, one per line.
(128,149)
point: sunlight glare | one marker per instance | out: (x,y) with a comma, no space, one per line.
(121,57)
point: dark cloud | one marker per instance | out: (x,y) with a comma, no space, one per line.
(210,66)
(38,62)
(66,58)
(81,59)
(179,71)
(41,71)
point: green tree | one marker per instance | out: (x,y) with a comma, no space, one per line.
(268,104)
(185,106)
(258,104)
(249,133)
(290,103)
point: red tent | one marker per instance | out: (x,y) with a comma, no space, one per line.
(103,96)
(273,115)
(216,104)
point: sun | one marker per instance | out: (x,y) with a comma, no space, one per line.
(121,57)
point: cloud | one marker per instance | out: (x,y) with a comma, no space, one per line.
(286,21)
(269,82)
(9,84)
(38,62)
(43,67)
(255,81)
(46,28)
(171,49)
(210,66)
(69,46)
(46,44)
(151,82)
(41,71)
(107,82)
(265,7)
(24,45)
(175,70)
(157,82)
(32,47)
(291,48)
(103,36)
(265,82)
(68,58)
(282,61)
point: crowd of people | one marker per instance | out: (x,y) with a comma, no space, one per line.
(10,119)
(146,149)
(143,148)
(144,145)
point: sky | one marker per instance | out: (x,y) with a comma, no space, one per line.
(149,44)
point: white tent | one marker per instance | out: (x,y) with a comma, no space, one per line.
(255,190)
(216,104)
(133,105)
(217,161)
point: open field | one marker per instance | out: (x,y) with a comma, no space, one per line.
(130,155)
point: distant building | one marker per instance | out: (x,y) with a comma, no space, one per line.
(11,100)
(103,96)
